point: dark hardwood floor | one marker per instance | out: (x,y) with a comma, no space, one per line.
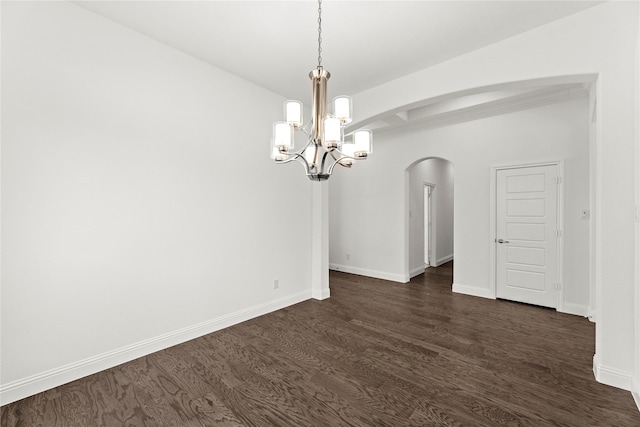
(376,353)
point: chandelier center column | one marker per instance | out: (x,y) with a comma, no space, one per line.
(319,78)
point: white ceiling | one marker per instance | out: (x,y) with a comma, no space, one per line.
(365,43)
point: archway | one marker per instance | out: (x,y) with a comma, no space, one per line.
(429,187)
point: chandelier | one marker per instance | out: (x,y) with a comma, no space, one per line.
(326,144)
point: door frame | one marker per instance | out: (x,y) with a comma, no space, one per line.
(493,261)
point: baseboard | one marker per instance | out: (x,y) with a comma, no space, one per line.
(321,294)
(635,386)
(593,317)
(442,260)
(370,273)
(611,376)
(473,291)
(416,271)
(575,309)
(31,385)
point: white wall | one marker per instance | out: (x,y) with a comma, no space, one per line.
(550,133)
(126,226)
(438,172)
(636,378)
(599,41)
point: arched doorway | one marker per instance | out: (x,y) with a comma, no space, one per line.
(430,233)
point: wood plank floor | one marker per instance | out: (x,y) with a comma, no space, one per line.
(376,353)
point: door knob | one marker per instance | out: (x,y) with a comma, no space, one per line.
(502,241)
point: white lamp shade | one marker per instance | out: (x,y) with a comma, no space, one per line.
(309,154)
(342,109)
(293,113)
(348,149)
(277,155)
(332,134)
(282,135)
(363,140)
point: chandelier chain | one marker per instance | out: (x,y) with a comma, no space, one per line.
(319,33)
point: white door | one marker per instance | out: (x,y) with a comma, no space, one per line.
(427,225)
(527,233)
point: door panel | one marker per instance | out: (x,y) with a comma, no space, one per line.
(526,183)
(527,256)
(526,232)
(525,207)
(526,242)
(527,280)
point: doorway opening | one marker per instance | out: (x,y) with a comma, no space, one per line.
(430,227)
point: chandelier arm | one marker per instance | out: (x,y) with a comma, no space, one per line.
(293,156)
(337,161)
(300,152)
(324,158)
(304,129)
(299,157)
(342,156)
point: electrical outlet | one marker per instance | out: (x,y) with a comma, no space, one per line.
(348,257)
(276,283)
